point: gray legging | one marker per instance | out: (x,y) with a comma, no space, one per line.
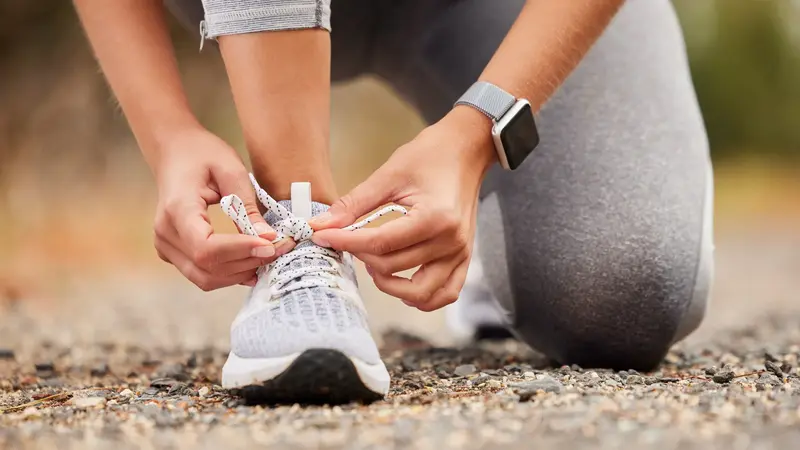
(600,245)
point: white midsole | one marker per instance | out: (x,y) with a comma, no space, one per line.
(239,372)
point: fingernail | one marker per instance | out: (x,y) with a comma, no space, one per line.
(261,228)
(319,241)
(322,218)
(263,252)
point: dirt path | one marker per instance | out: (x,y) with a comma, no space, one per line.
(136,365)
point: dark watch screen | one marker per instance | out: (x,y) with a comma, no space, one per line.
(520,137)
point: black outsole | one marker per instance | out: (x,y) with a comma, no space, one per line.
(492,333)
(318,376)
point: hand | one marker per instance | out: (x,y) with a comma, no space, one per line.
(438,175)
(195,170)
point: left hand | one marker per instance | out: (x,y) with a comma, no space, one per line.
(437,176)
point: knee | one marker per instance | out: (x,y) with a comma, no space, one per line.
(620,313)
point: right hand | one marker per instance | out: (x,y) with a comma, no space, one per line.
(193,171)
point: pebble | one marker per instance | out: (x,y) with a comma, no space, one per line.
(44,367)
(126,393)
(99,370)
(480,379)
(774,368)
(464,370)
(6,353)
(528,389)
(87,402)
(203,391)
(711,370)
(164,383)
(723,377)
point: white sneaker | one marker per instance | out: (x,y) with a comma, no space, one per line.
(302,335)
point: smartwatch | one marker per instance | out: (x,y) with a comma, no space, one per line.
(514,130)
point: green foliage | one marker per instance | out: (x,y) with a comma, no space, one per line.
(746,69)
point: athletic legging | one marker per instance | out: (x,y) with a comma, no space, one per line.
(600,244)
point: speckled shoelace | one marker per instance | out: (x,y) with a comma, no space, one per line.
(298,229)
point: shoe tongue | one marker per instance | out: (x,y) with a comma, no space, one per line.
(317,208)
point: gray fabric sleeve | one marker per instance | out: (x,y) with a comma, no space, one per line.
(249,16)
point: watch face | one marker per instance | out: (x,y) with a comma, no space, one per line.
(519,137)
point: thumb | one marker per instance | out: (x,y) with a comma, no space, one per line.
(239,184)
(370,194)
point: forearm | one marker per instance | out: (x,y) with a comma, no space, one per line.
(132,44)
(548,40)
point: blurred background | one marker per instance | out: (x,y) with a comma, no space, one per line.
(76,199)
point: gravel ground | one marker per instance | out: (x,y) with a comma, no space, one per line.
(131,383)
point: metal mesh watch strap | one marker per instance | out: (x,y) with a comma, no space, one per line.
(488,99)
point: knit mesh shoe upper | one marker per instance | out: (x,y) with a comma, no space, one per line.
(274,323)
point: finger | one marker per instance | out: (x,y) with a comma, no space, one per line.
(423,284)
(373,192)
(398,234)
(188,218)
(449,292)
(242,265)
(239,183)
(219,249)
(408,258)
(200,277)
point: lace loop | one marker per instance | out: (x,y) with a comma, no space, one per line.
(283,277)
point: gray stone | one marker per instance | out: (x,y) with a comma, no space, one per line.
(99,370)
(480,379)
(723,377)
(464,370)
(528,389)
(6,353)
(774,368)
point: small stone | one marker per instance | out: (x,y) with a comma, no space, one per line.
(203,391)
(45,367)
(192,361)
(669,380)
(6,353)
(710,371)
(494,384)
(87,402)
(786,368)
(529,375)
(464,370)
(151,391)
(163,383)
(634,379)
(31,411)
(528,389)
(126,393)
(723,377)
(99,370)
(774,368)
(770,357)
(480,379)
(177,388)
(513,368)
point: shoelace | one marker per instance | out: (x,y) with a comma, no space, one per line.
(298,229)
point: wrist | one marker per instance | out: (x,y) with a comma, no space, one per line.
(475,130)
